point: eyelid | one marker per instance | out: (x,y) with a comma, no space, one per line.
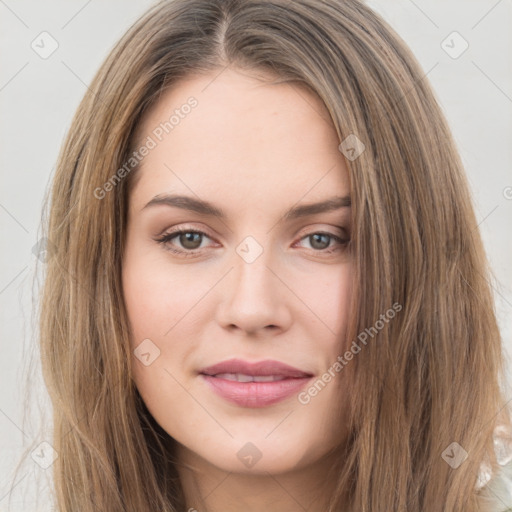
(306,231)
(312,229)
(184,227)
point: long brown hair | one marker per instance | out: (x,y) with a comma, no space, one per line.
(432,377)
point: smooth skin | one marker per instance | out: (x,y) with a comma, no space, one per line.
(254,150)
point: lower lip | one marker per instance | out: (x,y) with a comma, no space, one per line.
(255,394)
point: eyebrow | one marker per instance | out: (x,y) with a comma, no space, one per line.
(205,208)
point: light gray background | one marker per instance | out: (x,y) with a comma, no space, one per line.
(39,96)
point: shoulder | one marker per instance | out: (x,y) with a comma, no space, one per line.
(496,489)
(496,495)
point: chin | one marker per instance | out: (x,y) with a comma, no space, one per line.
(253,454)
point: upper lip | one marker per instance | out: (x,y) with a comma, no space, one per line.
(260,368)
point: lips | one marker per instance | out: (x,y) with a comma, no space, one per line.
(254,384)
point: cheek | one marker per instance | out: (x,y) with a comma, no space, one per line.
(157,297)
(154,307)
(157,301)
(328,295)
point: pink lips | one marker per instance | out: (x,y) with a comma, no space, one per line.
(254,384)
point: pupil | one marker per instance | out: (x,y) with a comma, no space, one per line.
(187,240)
(316,238)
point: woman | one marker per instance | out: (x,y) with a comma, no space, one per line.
(268,290)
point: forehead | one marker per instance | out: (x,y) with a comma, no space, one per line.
(234,134)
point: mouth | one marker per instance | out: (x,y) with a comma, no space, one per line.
(254,384)
(240,377)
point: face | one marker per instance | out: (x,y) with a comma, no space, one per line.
(237,294)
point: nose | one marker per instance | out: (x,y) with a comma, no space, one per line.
(255,297)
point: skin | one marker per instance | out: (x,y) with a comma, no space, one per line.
(255,150)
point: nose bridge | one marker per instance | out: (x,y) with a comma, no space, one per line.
(252,299)
(251,273)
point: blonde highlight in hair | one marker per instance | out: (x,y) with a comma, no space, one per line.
(434,375)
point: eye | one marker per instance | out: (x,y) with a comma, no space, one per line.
(321,241)
(189,242)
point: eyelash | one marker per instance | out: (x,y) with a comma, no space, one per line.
(167,237)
